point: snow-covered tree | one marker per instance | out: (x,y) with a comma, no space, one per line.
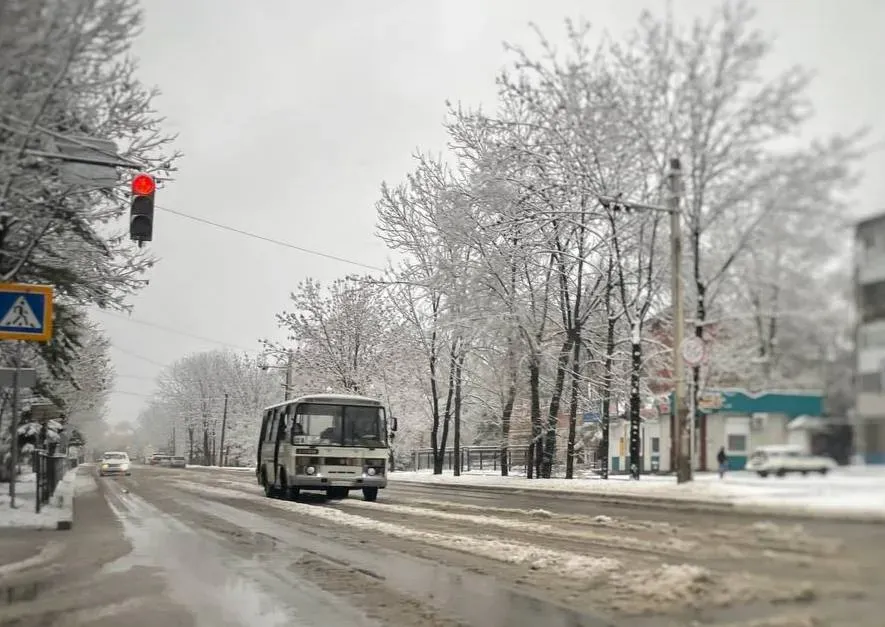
(65,71)
(187,413)
(339,334)
(415,219)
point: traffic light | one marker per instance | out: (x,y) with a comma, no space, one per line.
(141,211)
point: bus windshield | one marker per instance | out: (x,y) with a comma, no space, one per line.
(338,425)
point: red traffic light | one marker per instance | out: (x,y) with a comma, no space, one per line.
(143,185)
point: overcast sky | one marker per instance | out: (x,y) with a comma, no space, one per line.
(290,115)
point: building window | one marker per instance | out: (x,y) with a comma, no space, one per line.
(655,445)
(869,383)
(737,443)
(872,301)
(871,336)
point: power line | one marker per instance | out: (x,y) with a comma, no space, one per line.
(126,393)
(270,240)
(137,356)
(134,376)
(176,331)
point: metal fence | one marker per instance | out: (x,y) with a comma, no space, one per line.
(473,458)
(49,468)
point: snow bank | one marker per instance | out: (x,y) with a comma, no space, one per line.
(853,491)
(229,468)
(56,514)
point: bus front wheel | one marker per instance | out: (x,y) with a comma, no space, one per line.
(370,494)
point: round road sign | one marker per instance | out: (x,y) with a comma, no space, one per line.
(693,350)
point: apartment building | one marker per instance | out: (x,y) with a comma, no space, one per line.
(869,280)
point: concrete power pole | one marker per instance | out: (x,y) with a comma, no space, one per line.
(290,358)
(680,440)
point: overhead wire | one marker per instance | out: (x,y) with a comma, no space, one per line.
(169,329)
(269,240)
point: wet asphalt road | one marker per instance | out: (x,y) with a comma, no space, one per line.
(202,548)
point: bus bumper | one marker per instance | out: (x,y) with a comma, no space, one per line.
(323,483)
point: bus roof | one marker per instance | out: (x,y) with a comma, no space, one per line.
(331,399)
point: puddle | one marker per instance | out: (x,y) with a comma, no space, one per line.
(477,599)
(217,588)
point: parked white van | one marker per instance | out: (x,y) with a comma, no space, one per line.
(782,459)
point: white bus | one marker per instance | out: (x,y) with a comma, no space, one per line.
(329,442)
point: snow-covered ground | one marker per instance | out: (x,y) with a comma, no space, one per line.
(232,468)
(855,491)
(24,515)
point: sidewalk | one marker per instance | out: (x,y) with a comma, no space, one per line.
(856,493)
(56,514)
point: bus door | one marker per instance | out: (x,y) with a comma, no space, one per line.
(281,414)
(267,447)
(262,436)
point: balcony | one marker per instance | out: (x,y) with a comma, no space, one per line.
(870,268)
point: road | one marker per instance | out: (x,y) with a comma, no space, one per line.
(204,548)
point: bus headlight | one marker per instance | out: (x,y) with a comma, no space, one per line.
(310,470)
(371,472)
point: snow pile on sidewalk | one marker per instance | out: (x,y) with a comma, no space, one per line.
(852,490)
(57,510)
(228,468)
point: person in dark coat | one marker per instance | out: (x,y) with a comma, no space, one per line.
(722,459)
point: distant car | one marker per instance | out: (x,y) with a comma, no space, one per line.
(115,463)
(782,460)
(177,461)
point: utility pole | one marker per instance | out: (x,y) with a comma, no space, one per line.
(681,440)
(680,436)
(223,430)
(290,358)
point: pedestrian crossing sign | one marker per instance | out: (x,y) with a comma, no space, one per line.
(25,312)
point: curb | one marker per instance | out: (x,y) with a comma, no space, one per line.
(63,499)
(700,506)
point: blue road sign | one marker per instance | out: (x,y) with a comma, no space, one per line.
(25,312)
(591,416)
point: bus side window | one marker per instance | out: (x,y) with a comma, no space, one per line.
(272,431)
(282,424)
(262,436)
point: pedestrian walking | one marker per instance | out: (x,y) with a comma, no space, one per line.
(722,458)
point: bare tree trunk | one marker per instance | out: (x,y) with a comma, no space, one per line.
(438,456)
(459,368)
(700,316)
(205,445)
(535,413)
(506,415)
(573,407)
(191,444)
(553,411)
(447,413)
(608,378)
(635,402)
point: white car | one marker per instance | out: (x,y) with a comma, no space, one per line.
(114,463)
(781,460)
